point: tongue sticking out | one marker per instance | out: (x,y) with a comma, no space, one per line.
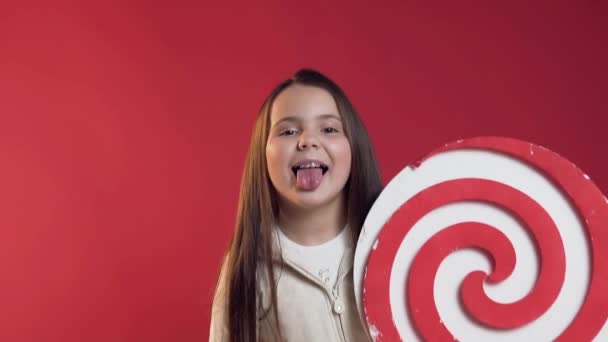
(309,179)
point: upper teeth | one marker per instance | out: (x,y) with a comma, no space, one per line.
(309,165)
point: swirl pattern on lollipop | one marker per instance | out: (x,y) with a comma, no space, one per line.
(560,267)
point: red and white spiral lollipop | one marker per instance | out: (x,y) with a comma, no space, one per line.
(486,239)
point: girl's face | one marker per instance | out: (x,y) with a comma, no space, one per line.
(307,152)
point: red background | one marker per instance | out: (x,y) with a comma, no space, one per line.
(123,131)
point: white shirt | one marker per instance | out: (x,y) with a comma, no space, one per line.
(321,260)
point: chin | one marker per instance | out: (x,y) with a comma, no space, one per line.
(311,200)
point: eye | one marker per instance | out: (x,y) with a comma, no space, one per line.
(288,132)
(329,130)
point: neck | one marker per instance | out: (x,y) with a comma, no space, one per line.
(315,225)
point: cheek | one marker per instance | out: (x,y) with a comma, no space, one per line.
(274,160)
(342,155)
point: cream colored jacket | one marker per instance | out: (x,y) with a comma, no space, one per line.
(308,310)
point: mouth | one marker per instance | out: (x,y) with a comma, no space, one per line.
(309,164)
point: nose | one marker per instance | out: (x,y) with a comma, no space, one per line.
(308,140)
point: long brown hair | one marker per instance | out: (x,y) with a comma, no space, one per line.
(258,207)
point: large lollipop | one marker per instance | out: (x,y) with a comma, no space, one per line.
(486,239)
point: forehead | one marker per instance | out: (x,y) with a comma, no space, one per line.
(303,102)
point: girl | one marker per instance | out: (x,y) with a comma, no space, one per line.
(310,178)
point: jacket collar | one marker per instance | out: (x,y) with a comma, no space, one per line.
(283,255)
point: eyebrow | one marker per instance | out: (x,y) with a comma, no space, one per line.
(320,117)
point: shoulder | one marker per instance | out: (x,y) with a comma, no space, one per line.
(218,330)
